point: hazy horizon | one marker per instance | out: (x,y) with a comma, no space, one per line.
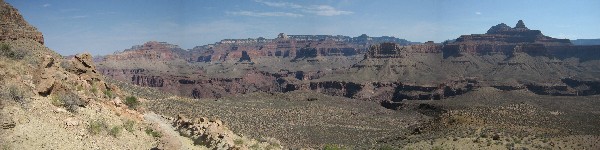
(103,27)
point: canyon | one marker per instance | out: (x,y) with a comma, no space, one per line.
(509,88)
(379,69)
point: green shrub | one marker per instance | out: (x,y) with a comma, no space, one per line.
(238,141)
(109,94)
(97,126)
(79,87)
(132,102)
(254,146)
(333,147)
(94,90)
(115,131)
(153,133)
(128,125)
(56,101)
(4,48)
(273,146)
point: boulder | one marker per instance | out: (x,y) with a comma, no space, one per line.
(46,77)
(71,122)
(118,102)
(212,134)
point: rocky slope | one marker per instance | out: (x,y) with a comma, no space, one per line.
(52,102)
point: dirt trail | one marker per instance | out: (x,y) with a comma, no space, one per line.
(170,138)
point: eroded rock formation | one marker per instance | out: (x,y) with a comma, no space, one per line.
(160,51)
(503,39)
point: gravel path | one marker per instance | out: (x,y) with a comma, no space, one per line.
(170,138)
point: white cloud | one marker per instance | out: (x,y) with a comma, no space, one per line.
(106,13)
(265,14)
(79,17)
(325,10)
(478,13)
(46,5)
(280,4)
(321,10)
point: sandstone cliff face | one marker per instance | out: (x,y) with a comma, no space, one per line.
(13,26)
(158,51)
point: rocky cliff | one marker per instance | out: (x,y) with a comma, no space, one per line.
(503,39)
(507,58)
(13,26)
(158,51)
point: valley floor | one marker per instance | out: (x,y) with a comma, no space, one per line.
(486,118)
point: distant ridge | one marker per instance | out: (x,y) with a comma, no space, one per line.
(586,42)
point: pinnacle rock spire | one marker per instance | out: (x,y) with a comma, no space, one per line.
(520,25)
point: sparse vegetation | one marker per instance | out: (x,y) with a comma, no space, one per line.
(69,101)
(7,51)
(66,65)
(132,102)
(79,88)
(97,126)
(115,131)
(94,90)
(333,147)
(238,141)
(16,94)
(109,94)
(387,147)
(128,125)
(437,148)
(56,101)
(153,133)
(255,146)
(6,147)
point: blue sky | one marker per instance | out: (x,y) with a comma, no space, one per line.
(105,26)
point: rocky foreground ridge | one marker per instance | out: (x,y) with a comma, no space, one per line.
(507,58)
(48,101)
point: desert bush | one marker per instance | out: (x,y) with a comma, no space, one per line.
(254,146)
(238,141)
(79,87)
(387,147)
(128,125)
(437,148)
(7,51)
(16,94)
(67,65)
(94,90)
(115,131)
(153,133)
(109,94)
(71,102)
(68,100)
(54,100)
(132,102)
(333,147)
(97,126)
